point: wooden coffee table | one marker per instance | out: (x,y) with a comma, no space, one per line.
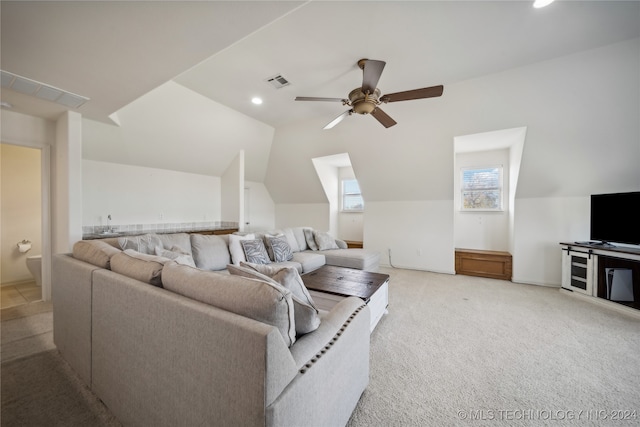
(329,284)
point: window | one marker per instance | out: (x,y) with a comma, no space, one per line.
(482,189)
(351,197)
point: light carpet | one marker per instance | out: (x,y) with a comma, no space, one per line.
(453,350)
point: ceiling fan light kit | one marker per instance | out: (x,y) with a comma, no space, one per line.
(367,98)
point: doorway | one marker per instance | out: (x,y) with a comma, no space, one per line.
(21,236)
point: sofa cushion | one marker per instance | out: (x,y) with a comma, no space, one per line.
(309,260)
(362,259)
(306,313)
(177,254)
(94,252)
(210,252)
(145,243)
(182,240)
(324,240)
(278,248)
(144,267)
(256,299)
(298,233)
(291,238)
(255,252)
(310,239)
(235,248)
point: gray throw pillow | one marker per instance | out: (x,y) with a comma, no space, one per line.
(145,244)
(311,241)
(324,240)
(255,252)
(210,252)
(278,248)
(305,310)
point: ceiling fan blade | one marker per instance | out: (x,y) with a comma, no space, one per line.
(427,92)
(383,118)
(338,119)
(312,98)
(371,72)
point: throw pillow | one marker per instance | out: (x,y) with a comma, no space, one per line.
(304,309)
(311,241)
(324,240)
(255,252)
(210,252)
(264,301)
(278,248)
(237,253)
(177,254)
(145,244)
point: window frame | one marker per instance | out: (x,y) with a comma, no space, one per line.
(500,188)
(344,194)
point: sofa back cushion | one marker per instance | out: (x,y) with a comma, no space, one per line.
(95,252)
(144,267)
(210,252)
(255,299)
(298,233)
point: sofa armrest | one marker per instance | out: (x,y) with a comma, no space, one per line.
(71,297)
(307,346)
(163,359)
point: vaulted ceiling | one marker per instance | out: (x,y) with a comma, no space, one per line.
(122,53)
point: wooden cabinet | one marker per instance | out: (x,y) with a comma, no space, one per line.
(482,263)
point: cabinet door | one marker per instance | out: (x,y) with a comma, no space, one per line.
(577,271)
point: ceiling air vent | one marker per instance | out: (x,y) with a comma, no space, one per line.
(278,81)
(41,90)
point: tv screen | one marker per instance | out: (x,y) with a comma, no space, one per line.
(615,218)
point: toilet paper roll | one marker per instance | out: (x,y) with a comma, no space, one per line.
(24,247)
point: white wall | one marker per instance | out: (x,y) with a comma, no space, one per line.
(418,233)
(259,207)
(139,195)
(540,225)
(232,192)
(314,215)
(482,230)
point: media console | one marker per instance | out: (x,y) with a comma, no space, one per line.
(607,272)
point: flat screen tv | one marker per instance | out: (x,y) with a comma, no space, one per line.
(615,218)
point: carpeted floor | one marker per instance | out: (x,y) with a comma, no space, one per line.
(453,350)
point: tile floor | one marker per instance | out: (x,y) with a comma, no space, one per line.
(14,295)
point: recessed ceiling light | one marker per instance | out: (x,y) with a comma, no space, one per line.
(256,100)
(541,3)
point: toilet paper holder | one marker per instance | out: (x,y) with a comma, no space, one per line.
(24,246)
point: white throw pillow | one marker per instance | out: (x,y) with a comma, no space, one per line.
(235,248)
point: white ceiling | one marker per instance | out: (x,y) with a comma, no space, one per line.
(115,52)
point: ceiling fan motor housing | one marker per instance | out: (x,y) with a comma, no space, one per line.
(363,103)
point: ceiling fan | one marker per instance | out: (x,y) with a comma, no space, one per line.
(366,99)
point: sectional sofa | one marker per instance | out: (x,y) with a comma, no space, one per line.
(164,335)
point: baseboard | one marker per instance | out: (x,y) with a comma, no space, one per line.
(18,282)
(604,303)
